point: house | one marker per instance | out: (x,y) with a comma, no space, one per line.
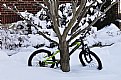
(7,16)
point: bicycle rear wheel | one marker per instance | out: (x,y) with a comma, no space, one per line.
(38,57)
(90,59)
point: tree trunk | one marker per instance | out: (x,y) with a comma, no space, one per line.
(64,55)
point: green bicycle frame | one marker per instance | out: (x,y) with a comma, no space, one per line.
(45,61)
(78,44)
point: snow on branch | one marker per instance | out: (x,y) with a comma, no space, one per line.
(29,21)
(94,21)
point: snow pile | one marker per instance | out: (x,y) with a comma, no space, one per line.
(18,63)
(14,67)
(42,21)
(108,35)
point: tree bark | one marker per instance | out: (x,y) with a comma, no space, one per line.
(64,55)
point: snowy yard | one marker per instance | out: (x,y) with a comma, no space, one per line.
(15,67)
(13,60)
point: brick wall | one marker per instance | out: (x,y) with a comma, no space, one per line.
(8,16)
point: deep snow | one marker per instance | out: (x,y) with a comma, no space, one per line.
(15,67)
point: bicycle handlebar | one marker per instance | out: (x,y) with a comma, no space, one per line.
(85,34)
(80,39)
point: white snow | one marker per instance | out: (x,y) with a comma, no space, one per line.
(15,67)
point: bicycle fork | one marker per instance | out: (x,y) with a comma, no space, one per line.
(87,55)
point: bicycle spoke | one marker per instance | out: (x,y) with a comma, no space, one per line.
(92,64)
(90,60)
(40,58)
(36,63)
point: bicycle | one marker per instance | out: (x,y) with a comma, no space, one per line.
(44,58)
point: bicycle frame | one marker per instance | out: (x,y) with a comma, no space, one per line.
(78,44)
(45,61)
(86,56)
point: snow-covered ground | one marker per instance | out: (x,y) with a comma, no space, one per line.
(15,67)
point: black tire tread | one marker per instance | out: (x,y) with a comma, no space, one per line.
(94,55)
(39,52)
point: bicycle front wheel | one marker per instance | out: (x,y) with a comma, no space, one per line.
(90,59)
(39,59)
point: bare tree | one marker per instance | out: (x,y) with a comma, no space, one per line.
(79,9)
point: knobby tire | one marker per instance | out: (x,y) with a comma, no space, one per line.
(99,67)
(39,52)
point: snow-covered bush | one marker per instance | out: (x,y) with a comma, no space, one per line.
(105,37)
(42,21)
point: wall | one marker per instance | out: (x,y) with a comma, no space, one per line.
(8,16)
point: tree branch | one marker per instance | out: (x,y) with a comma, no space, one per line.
(40,5)
(83,13)
(74,4)
(73,20)
(88,27)
(102,5)
(47,3)
(54,16)
(29,21)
